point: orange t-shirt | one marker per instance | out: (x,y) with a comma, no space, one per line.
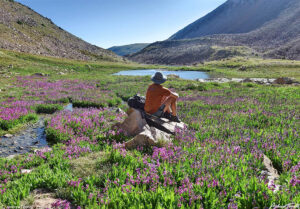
(154,97)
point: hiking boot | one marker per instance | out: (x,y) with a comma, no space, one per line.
(175,119)
(167,115)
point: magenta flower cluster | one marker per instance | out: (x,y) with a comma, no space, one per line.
(46,90)
(83,125)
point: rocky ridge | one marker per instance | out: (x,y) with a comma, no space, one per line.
(24,30)
(248,28)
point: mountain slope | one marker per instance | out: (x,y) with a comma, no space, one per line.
(276,38)
(128,49)
(24,30)
(189,51)
(232,17)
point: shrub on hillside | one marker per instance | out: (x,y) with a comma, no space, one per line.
(114,102)
(9,124)
(48,108)
(191,86)
(194,86)
(202,87)
(87,104)
(64,100)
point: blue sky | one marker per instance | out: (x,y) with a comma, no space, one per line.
(107,23)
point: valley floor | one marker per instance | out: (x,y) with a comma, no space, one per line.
(216,162)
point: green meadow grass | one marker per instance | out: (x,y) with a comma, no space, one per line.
(217,163)
(27,64)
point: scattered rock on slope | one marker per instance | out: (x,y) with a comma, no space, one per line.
(24,30)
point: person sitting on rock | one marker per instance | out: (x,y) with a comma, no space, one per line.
(160,101)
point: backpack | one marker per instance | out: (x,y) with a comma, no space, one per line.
(137,102)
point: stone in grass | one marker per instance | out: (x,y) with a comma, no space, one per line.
(271,173)
(11,157)
(201,80)
(238,80)
(223,80)
(45,149)
(8,135)
(25,171)
(119,110)
(40,74)
(260,80)
(283,81)
(247,80)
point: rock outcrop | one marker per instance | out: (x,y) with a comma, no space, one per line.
(149,136)
(24,30)
(133,124)
(145,135)
(265,81)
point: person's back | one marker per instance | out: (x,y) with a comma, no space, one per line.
(155,97)
(161,101)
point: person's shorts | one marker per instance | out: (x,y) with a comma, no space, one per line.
(160,111)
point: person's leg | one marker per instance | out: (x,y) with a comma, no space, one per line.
(174,107)
(167,104)
(170,105)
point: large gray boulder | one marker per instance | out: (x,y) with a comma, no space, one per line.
(144,135)
(150,136)
(133,124)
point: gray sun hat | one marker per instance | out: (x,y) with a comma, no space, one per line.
(159,78)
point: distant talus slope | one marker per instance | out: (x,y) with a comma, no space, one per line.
(267,28)
(234,16)
(24,30)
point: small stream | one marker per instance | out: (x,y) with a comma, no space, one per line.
(33,137)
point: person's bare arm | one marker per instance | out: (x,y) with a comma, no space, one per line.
(174,95)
